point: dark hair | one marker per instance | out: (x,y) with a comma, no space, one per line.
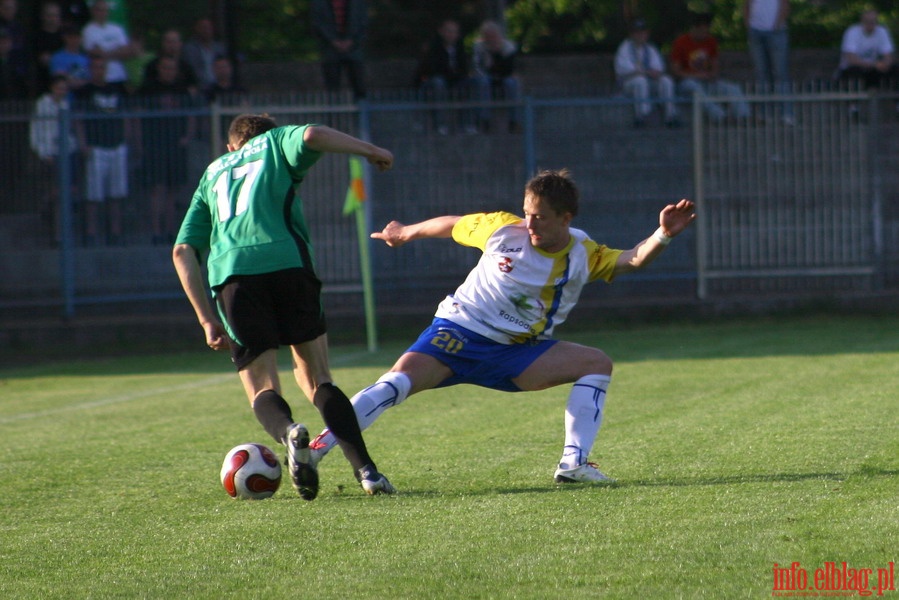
(245,127)
(557,189)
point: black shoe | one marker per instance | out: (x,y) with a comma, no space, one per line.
(303,474)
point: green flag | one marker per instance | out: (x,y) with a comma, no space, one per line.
(355,194)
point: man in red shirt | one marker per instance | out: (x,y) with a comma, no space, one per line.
(694,61)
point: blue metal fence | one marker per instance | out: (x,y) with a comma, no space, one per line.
(790,208)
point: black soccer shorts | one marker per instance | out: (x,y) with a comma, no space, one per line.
(269,310)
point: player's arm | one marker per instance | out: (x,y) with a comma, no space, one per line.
(325,139)
(396,234)
(673,219)
(187,264)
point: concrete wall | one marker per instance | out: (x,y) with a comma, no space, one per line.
(538,72)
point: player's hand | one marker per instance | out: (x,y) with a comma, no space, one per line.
(674,218)
(216,337)
(392,234)
(381,158)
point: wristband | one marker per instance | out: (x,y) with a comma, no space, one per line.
(661,238)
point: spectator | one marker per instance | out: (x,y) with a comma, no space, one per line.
(640,71)
(109,40)
(867,53)
(44,139)
(445,69)
(71,61)
(769,47)
(201,51)
(75,13)
(166,138)
(136,65)
(694,61)
(13,80)
(341,27)
(15,58)
(494,63)
(48,40)
(103,140)
(224,88)
(9,13)
(170,47)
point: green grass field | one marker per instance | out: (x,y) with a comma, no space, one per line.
(736,445)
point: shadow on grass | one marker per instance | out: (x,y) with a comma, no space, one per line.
(865,472)
(352,494)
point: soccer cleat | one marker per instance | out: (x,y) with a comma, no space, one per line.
(303,473)
(374,483)
(585,473)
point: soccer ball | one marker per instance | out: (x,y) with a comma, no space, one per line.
(251,471)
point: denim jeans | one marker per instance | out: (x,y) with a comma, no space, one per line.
(770,52)
(720,87)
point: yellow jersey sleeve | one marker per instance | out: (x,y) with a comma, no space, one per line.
(474,230)
(601,260)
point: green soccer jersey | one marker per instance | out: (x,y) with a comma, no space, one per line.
(246,210)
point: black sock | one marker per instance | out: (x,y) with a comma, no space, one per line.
(340,418)
(274,413)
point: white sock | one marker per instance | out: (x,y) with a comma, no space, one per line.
(583,417)
(391,389)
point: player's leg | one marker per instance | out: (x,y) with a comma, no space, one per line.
(413,372)
(263,388)
(590,369)
(243,304)
(313,375)
(261,383)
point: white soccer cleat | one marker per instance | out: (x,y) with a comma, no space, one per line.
(374,483)
(585,473)
(303,473)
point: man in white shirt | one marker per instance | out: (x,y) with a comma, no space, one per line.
(109,40)
(640,72)
(867,53)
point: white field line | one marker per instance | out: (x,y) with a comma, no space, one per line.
(165,390)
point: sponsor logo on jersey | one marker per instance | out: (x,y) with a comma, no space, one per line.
(507,250)
(526,307)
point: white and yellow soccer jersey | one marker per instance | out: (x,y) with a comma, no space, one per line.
(518,292)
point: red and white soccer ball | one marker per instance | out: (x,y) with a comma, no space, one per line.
(251,471)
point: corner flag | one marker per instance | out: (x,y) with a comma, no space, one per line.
(355,196)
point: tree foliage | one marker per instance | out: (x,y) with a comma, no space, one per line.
(280,30)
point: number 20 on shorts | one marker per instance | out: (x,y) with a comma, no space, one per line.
(446,342)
